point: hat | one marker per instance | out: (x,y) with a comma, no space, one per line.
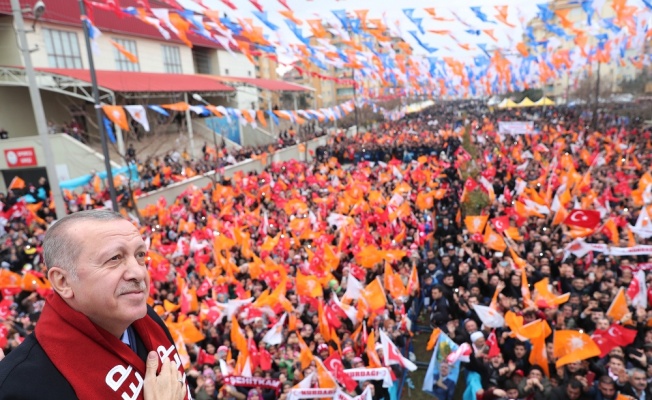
(357,360)
(475,336)
(379,346)
(322,347)
(223,349)
(347,350)
(519,372)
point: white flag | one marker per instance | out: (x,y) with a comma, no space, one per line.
(139,115)
(274,336)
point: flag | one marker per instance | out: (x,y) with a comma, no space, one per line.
(393,355)
(571,346)
(610,230)
(108,128)
(374,296)
(492,342)
(618,308)
(637,290)
(353,288)
(501,223)
(117,115)
(588,219)
(475,224)
(434,336)
(16,183)
(616,335)
(126,53)
(489,316)
(538,331)
(308,286)
(444,347)
(545,298)
(139,114)
(493,240)
(274,336)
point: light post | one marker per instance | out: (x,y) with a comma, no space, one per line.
(37,103)
(98,110)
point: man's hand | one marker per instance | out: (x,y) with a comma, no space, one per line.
(168,385)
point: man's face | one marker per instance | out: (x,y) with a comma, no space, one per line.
(436,294)
(471,326)
(573,393)
(512,393)
(519,351)
(443,370)
(535,374)
(112,281)
(616,366)
(607,389)
(639,381)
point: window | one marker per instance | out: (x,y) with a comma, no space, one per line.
(122,63)
(62,48)
(248,73)
(226,71)
(172,60)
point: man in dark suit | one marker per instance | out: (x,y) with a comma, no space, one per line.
(637,386)
(96,336)
(444,387)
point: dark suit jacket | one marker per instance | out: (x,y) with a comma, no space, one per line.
(28,374)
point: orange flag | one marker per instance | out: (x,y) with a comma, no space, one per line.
(571,346)
(433,339)
(117,115)
(413,281)
(128,55)
(308,286)
(560,216)
(374,360)
(237,337)
(374,296)
(611,230)
(539,356)
(618,308)
(16,183)
(324,327)
(393,282)
(545,298)
(475,224)
(493,240)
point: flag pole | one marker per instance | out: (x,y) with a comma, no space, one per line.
(98,111)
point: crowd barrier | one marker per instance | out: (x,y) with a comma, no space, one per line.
(171,192)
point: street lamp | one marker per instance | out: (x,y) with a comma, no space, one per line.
(37,103)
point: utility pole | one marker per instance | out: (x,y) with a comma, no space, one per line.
(355,101)
(594,120)
(39,113)
(98,111)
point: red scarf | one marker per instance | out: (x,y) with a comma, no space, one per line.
(97,364)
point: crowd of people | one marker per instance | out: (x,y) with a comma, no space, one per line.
(284,280)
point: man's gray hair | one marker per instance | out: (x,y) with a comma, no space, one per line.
(60,248)
(636,371)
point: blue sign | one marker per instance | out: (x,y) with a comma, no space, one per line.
(222,126)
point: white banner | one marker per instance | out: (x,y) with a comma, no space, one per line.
(371,374)
(516,128)
(297,394)
(579,248)
(336,394)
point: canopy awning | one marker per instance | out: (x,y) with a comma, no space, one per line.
(264,84)
(144,82)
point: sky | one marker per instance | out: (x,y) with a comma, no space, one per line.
(392,10)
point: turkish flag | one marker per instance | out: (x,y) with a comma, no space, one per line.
(334,365)
(204,288)
(470,184)
(5,309)
(588,219)
(616,335)
(507,194)
(501,223)
(492,342)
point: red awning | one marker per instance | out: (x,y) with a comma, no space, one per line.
(144,82)
(265,84)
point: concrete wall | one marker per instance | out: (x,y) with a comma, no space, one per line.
(8,42)
(72,157)
(171,192)
(235,64)
(255,136)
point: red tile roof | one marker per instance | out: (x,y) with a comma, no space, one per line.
(66,12)
(265,84)
(141,82)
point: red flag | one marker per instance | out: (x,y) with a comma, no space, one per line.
(204,288)
(470,184)
(616,335)
(507,194)
(335,366)
(492,342)
(588,219)
(501,223)
(205,358)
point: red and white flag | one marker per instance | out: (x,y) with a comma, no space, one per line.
(616,335)
(637,290)
(393,355)
(588,219)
